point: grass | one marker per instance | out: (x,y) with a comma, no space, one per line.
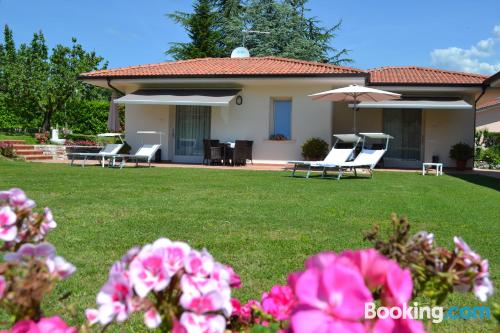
(30,139)
(263,223)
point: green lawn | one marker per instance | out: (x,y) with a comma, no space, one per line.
(263,223)
(30,139)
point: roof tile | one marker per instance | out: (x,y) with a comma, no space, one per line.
(256,66)
(408,75)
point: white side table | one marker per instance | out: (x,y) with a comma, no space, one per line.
(427,166)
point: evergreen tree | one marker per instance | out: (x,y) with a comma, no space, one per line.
(202,27)
(292,33)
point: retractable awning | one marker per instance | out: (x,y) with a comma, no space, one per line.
(416,104)
(206,97)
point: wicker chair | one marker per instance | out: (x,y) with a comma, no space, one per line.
(207,150)
(242,152)
(248,152)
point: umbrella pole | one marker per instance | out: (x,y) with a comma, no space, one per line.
(355,109)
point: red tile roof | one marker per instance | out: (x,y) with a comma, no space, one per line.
(224,67)
(412,75)
(488,105)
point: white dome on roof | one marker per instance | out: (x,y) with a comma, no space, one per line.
(240,52)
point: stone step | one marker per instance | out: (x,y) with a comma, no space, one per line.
(13,142)
(36,157)
(28,152)
(23,147)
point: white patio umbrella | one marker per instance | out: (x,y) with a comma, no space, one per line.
(355,94)
(113,114)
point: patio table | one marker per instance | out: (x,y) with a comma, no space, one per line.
(428,165)
(227,152)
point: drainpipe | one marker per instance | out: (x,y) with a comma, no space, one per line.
(114,88)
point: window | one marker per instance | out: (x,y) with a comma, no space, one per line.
(281,125)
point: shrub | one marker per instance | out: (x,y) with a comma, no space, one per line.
(86,117)
(491,157)
(81,143)
(491,139)
(42,138)
(461,152)
(7,150)
(314,149)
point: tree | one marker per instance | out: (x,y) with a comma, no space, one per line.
(203,30)
(37,84)
(292,33)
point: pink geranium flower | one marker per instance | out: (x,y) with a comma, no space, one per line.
(3,285)
(389,325)
(45,325)
(152,318)
(236,304)
(210,302)
(8,228)
(48,222)
(371,264)
(59,267)
(199,263)
(54,325)
(42,250)
(398,287)
(330,299)
(147,271)
(279,302)
(246,310)
(17,198)
(195,323)
(115,299)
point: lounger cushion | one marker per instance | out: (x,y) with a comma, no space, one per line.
(335,156)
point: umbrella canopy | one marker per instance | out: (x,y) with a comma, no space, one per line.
(355,94)
(113,115)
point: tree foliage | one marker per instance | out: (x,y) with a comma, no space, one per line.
(292,33)
(202,28)
(36,83)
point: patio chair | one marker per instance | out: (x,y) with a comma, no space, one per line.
(248,151)
(367,158)
(107,151)
(207,147)
(145,153)
(337,155)
(240,152)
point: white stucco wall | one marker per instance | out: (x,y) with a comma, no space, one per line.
(440,128)
(147,118)
(249,121)
(444,128)
(488,119)
(252,121)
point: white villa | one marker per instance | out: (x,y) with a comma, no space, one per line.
(264,98)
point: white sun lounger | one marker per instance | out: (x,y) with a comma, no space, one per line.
(335,156)
(367,158)
(108,150)
(145,153)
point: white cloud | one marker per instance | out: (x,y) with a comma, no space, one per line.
(479,58)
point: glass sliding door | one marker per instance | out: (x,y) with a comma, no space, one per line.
(405,125)
(192,125)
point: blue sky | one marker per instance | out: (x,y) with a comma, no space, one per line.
(454,34)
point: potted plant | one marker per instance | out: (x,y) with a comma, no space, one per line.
(461,153)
